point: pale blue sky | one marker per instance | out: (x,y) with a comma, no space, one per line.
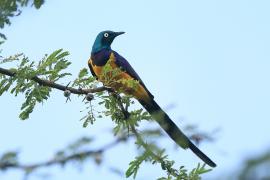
(209,58)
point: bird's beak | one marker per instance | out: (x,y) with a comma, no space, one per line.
(119,33)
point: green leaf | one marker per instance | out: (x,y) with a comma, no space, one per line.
(11,58)
(27,110)
(52,65)
(5,84)
(3,36)
(9,158)
(38,3)
(135,165)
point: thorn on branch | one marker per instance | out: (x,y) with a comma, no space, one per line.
(68,85)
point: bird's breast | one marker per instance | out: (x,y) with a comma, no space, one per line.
(99,69)
(120,80)
(109,73)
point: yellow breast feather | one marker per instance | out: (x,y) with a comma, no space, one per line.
(112,76)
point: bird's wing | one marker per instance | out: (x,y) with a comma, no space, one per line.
(125,66)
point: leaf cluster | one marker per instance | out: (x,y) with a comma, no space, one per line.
(154,155)
(84,80)
(11,8)
(74,148)
(256,167)
(22,81)
(8,159)
(194,174)
(111,77)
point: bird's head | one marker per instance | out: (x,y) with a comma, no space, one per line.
(104,40)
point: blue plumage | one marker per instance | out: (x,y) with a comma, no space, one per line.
(104,40)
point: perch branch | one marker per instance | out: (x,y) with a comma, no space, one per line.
(52,84)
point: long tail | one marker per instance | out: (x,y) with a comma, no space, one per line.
(173,131)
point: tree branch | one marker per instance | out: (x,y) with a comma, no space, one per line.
(61,160)
(54,85)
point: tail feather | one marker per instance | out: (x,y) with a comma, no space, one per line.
(173,131)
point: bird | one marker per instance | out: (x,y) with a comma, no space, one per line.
(101,55)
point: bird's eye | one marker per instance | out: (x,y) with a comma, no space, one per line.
(106,35)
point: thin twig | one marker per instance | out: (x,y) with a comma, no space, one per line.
(140,140)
